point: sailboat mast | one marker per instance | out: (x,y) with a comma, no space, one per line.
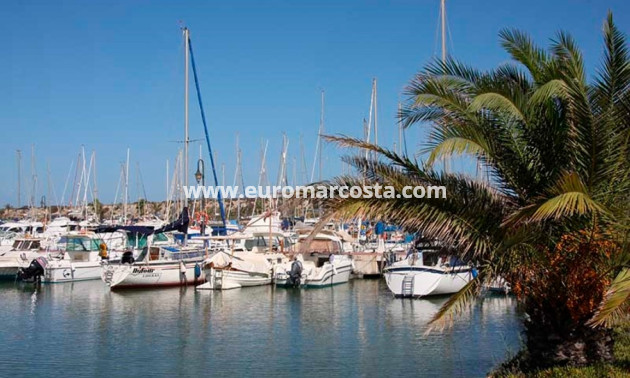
(19,178)
(443,14)
(319,139)
(126,188)
(186,136)
(400,131)
(375,113)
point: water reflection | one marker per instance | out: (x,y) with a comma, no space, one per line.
(353,329)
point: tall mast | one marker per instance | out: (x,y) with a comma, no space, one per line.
(48,197)
(400,131)
(95,189)
(167,181)
(126,188)
(443,14)
(19,178)
(186,137)
(318,146)
(34,177)
(375,113)
(321,131)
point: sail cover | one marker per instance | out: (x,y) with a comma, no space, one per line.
(180,224)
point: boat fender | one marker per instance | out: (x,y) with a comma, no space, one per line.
(197,270)
(474,272)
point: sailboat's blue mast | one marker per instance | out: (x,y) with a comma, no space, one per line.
(205,129)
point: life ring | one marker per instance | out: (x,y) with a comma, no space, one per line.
(201,214)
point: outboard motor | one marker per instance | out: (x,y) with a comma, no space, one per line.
(34,271)
(295,275)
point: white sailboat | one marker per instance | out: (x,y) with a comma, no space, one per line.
(157,266)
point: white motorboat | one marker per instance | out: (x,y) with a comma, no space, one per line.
(79,261)
(427,273)
(20,255)
(227,270)
(314,272)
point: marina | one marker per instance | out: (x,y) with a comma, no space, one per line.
(330,189)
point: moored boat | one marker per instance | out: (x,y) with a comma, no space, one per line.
(314,272)
(427,272)
(20,255)
(157,266)
(79,261)
(239,269)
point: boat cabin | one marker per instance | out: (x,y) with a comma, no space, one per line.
(26,245)
(81,247)
(259,242)
(169,253)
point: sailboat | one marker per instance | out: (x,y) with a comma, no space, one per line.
(157,265)
(170,265)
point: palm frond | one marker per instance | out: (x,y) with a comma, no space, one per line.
(524,51)
(454,146)
(496,102)
(614,307)
(552,89)
(568,197)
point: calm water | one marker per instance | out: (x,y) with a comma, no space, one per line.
(357,329)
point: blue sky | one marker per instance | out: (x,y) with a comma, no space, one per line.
(109,75)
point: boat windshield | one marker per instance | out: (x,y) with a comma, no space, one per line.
(82,243)
(160,237)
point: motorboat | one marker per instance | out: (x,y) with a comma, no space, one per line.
(431,271)
(20,255)
(225,270)
(80,260)
(314,271)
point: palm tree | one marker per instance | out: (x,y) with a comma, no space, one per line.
(552,216)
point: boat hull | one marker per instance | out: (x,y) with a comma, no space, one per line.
(224,279)
(323,277)
(12,261)
(418,282)
(64,271)
(150,275)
